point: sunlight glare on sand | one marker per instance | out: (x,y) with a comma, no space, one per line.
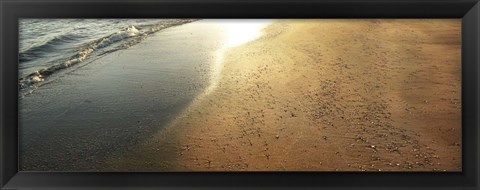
(242,31)
(237,32)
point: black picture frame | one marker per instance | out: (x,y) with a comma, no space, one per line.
(12,10)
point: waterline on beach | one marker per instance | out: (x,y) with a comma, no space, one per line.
(252,30)
(236,33)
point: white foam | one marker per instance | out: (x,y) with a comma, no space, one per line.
(127,33)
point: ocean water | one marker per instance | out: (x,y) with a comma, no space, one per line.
(48,46)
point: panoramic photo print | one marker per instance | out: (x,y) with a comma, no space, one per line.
(170,95)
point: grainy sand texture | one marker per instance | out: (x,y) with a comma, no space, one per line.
(323,95)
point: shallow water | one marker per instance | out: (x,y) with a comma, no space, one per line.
(48,46)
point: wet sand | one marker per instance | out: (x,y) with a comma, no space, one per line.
(329,95)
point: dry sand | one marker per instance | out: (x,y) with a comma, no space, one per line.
(328,95)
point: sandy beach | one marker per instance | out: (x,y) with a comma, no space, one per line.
(327,95)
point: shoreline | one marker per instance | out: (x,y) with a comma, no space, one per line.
(368,97)
(103,109)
